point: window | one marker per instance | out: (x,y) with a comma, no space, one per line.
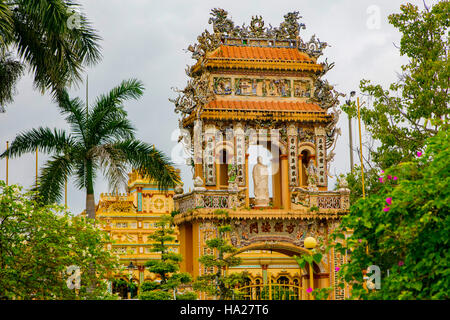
(122,225)
(120,250)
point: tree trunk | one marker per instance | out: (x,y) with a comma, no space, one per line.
(90,201)
(90,206)
(90,213)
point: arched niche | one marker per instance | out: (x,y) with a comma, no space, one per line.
(271,152)
(306,151)
(224,152)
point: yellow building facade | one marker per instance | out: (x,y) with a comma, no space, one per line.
(130,219)
(255,87)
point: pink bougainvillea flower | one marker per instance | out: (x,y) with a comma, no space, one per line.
(400,263)
(337,269)
(359,240)
(395,178)
(389,177)
(381,179)
(419,154)
(389,201)
(309,290)
(386,209)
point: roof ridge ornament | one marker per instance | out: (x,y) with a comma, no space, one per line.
(224,28)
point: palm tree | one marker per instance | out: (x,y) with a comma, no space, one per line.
(51,38)
(101,137)
(10,72)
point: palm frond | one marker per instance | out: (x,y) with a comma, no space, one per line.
(6,24)
(10,72)
(55,51)
(74,111)
(113,163)
(52,178)
(80,175)
(149,162)
(115,130)
(44,139)
(108,108)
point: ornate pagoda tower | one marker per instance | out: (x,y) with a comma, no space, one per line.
(260,87)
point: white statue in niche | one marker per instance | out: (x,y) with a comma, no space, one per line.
(261,183)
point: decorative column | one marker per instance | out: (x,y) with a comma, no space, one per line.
(264,273)
(210,155)
(285,194)
(141,274)
(293,155)
(240,154)
(321,156)
(198,149)
(247,190)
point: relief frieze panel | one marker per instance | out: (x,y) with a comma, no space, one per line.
(302,89)
(245,232)
(222,86)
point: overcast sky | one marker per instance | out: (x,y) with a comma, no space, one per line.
(146,40)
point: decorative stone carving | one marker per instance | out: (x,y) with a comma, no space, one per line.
(198,142)
(292,155)
(312,176)
(261,184)
(313,47)
(223,27)
(210,155)
(198,184)
(321,157)
(240,154)
(302,88)
(179,189)
(196,94)
(222,86)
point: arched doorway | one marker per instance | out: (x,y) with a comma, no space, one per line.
(224,158)
(125,288)
(275,285)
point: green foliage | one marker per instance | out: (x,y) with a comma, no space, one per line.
(410,236)
(189,295)
(167,266)
(10,73)
(410,239)
(308,259)
(371,182)
(221,212)
(416,106)
(155,295)
(149,286)
(219,283)
(174,213)
(48,40)
(322,293)
(101,138)
(38,243)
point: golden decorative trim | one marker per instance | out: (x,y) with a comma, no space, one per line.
(261,115)
(256,64)
(270,214)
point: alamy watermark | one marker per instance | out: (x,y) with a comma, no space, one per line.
(74,279)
